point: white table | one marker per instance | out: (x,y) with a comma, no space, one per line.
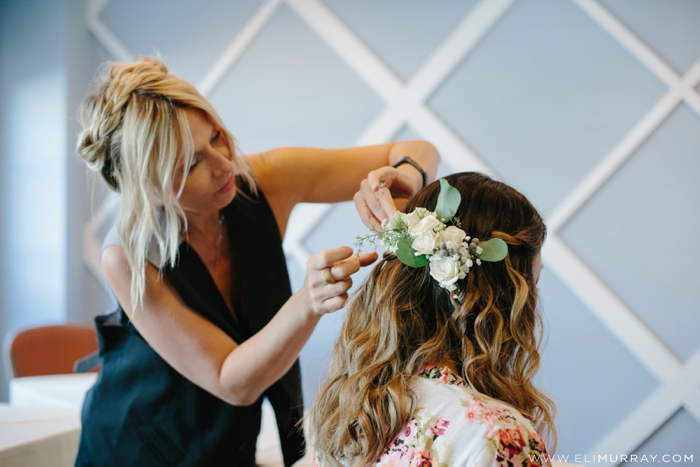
(52,391)
(41,426)
(38,437)
(67,392)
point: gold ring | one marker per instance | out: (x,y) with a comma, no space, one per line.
(328,277)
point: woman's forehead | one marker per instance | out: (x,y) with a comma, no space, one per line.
(197,119)
(201,127)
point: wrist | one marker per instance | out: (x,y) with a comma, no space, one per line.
(412,174)
(413,166)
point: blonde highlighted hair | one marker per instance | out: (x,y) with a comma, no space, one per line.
(401,319)
(137,136)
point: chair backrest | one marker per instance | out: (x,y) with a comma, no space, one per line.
(48,350)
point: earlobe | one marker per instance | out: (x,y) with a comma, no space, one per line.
(537,267)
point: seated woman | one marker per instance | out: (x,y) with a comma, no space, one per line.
(437,354)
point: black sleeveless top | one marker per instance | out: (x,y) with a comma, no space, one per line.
(143,412)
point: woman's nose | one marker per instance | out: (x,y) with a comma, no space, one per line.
(222,164)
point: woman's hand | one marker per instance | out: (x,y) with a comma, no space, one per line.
(383,192)
(328,277)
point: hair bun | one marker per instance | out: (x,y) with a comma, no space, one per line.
(102,112)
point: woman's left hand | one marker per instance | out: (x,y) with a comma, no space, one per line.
(382,193)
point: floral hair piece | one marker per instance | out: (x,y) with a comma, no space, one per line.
(424,238)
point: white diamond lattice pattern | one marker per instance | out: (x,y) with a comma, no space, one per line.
(405,104)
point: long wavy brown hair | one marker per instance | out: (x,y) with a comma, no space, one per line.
(401,319)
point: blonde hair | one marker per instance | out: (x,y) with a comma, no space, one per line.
(136,134)
(401,319)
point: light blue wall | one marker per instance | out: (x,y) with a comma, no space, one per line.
(32,157)
(47,59)
(541,99)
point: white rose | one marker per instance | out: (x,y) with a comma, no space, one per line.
(445,270)
(453,235)
(415,217)
(428,223)
(425,243)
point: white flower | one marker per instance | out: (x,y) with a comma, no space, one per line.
(415,217)
(428,223)
(445,270)
(425,243)
(453,236)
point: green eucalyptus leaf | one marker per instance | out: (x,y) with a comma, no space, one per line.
(494,249)
(407,255)
(448,200)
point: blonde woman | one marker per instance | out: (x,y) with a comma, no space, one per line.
(438,350)
(207,324)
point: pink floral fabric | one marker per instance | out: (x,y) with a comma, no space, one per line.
(456,426)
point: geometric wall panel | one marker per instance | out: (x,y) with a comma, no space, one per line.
(529,107)
(401,32)
(190,37)
(406,134)
(584,367)
(327,235)
(286,63)
(669,28)
(679,436)
(637,232)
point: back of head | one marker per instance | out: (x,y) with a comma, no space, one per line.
(402,319)
(136,135)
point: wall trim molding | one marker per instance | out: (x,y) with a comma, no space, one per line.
(405,104)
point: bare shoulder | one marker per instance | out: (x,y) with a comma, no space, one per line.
(263,170)
(114,260)
(118,272)
(116,267)
(276,182)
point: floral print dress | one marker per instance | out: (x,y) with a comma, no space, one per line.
(454,425)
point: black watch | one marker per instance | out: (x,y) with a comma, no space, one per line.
(408,160)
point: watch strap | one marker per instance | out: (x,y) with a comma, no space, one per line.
(408,160)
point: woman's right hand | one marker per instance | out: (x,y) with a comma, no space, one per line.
(385,190)
(328,277)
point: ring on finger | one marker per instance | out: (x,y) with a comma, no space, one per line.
(383,185)
(328,277)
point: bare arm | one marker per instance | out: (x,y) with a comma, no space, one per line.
(294,175)
(205,354)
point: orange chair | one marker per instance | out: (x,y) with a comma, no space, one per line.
(48,350)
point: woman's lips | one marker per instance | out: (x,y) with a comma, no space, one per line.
(228,186)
